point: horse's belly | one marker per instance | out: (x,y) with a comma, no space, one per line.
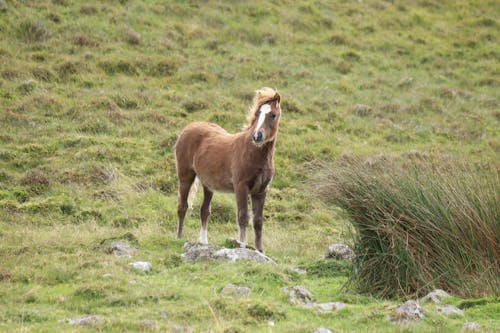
(215,184)
(213,173)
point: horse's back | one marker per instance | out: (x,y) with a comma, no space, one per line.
(193,134)
(205,128)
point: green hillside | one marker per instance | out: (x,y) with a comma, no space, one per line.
(94,93)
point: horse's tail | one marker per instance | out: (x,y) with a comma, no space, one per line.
(192,192)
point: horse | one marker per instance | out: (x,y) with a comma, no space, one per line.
(241,163)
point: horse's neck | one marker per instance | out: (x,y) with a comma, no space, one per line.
(264,153)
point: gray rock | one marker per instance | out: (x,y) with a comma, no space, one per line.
(299,295)
(322,330)
(123,249)
(297,270)
(197,252)
(435,296)
(143,266)
(85,320)
(471,326)
(236,291)
(449,310)
(407,313)
(326,307)
(241,254)
(339,252)
(234,243)
(181,329)
(148,324)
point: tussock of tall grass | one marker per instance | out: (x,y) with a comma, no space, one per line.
(418,225)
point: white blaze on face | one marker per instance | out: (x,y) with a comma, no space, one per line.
(264,110)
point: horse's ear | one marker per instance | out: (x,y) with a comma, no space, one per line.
(277,97)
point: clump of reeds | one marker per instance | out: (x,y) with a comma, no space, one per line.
(418,225)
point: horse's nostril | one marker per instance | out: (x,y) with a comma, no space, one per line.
(257,137)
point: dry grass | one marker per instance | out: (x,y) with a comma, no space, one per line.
(426,224)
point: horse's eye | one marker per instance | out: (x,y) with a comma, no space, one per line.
(273,116)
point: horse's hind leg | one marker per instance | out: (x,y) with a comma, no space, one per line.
(205,213)
(186,180)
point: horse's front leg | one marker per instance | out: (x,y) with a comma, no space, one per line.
(257,208)
(242,204)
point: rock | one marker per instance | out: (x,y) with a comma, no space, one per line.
(362,110)
(123,249)
(407,313)
(181,329)
(197,252)
(241,254)
(449,310)
(322,330)
(84,321)
(326,307)
(299,295)
(435,296)
(148,324)
(107,275)
(141,265)
(164,314)
(232,243)
(236,291)
(339,252)
(297,270)
(471,326)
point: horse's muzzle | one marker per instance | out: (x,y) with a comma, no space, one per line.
(257,137)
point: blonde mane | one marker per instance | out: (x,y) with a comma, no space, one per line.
(262,96)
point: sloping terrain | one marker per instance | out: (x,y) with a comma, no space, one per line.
(94,93)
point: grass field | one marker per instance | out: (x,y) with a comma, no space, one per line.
(94,93)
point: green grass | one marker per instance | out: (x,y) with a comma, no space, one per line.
(93,95)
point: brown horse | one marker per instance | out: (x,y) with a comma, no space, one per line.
(241,163)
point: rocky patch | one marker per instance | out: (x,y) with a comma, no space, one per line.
(143,266)
(195,252)
(435,296)
(471,326)
(123,249)
(182,329)
(299,295)
(407,313)
(235,291)
(449,310)
(339,252)
(322,330)
(325,307)
(83,321)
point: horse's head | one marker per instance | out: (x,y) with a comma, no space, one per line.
(266,116)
